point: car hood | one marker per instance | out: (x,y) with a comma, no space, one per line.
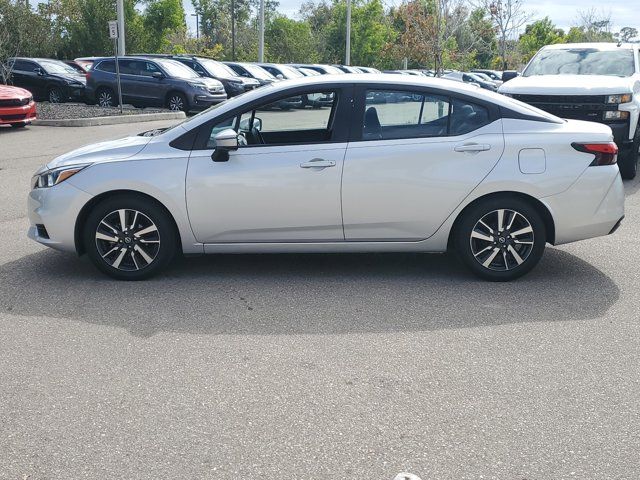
(249,81)
(8,92)
(567,85)
(207,82)
(120,149)
(71,78)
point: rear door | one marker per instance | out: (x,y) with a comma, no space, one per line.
(24,75)
(416,154)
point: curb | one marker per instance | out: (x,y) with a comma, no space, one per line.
(112,120)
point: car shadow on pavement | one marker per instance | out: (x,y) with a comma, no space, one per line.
(304,294)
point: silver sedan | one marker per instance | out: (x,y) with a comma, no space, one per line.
(383,163)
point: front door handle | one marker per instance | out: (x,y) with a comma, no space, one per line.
(318,163)
(472,147)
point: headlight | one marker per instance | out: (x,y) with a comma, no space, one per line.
(615,115)
(620,98)
(199,86)
(55,176)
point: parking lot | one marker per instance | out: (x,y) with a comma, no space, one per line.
(312,366)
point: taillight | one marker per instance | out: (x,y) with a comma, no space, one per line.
(605,153)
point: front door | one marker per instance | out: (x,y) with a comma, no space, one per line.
(420,153)
(283,182)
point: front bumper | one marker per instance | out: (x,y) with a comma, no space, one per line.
(205,100)
(21,114)
(591,207)
(56,209)
(621,134)
(75,94)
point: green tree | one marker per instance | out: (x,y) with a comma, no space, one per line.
(289,41)
(537,35)
(161,19)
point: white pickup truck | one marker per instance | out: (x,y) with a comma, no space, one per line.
(598,82)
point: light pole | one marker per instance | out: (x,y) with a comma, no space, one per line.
(197,25)
(120,17)
(347,56)
(261,34)
(233,30)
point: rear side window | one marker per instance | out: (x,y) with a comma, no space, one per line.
(397,114)
(106,66)
(24,66)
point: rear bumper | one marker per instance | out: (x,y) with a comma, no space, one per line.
(593,206)
(22,114)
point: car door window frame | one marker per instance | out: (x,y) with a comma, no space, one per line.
(340,122)
(360,105)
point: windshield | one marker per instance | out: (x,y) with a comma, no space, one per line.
(174,68)
(289,72)
(217,69)
(257,72)
(52,66)
(582,61)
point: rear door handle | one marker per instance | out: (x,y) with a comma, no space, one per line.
(472,147)
(318,163)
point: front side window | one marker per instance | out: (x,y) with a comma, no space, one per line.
(283,122)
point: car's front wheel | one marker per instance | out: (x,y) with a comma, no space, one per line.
(500,238)
(55,95)
(130,237)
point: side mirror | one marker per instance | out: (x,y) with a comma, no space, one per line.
(39,71)
(509,75)
(157,75)
(280,76)
(257,124)
(226,141)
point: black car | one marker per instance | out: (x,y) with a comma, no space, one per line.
(206,67)
(48,79)
(161,82)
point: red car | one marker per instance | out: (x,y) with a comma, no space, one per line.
(17,107)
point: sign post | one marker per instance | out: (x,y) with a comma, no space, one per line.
(113,34)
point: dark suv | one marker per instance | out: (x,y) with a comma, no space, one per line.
(47,79)
(206,67)
(152,81)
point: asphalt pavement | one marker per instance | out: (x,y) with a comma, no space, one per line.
(312,366)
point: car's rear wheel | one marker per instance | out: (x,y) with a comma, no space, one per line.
(18,125)
(130,237)
(500,239)
(105,97)
(177,102)
(55,95)
(628,163)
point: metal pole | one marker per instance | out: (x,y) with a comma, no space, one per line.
(115,48)
(197,25)
(347,57)
(120,16)
(261,34)
(233,30)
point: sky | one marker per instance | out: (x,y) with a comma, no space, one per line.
(624,13)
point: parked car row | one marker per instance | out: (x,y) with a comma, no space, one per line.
(178,82)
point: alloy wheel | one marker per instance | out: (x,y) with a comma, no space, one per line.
(54,96)
(176,103)
(105,99)
(127,240)
(502,240)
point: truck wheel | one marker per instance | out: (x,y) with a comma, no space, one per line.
(628,164)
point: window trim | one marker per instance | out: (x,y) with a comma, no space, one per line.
(357,126)
(340,123)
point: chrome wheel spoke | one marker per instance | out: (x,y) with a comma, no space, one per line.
(522,231)
(106,238)
(133,257)
(143,254)
(515,255)
(103,222)
(491,257)
(486,249)
(500,220)
(486,226)
(481,236)
(118,260)
(144,231)
(133,222)
(122,215)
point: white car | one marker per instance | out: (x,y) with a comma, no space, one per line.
(441,165)
(598,82)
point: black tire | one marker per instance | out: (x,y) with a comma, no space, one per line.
(628,162)
(177,102)
(495,259)
(159,245)
(55,95)
(105,97)
(18,125)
